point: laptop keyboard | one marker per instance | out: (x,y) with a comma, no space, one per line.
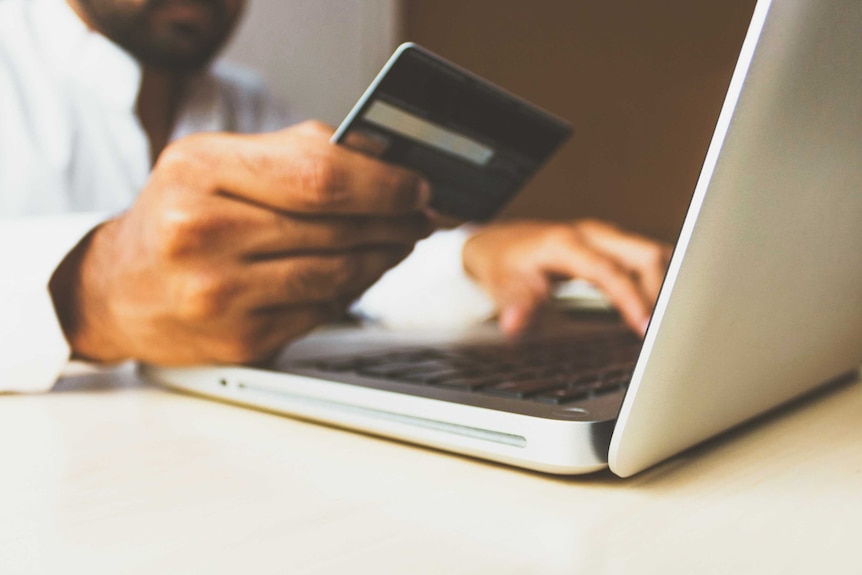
(558,371)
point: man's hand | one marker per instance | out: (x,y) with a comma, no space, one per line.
(237,245)
(518,263)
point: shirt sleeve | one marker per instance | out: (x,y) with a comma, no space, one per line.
(429,289)
(33,349)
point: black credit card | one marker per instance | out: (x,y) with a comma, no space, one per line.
(476,143)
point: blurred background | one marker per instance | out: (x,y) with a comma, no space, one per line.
(641,82)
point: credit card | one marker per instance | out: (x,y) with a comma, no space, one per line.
(476,143)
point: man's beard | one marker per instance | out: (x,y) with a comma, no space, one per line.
(179,36)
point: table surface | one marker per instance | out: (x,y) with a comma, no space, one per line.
(108,474)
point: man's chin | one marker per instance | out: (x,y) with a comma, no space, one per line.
(180,55)
(176,66)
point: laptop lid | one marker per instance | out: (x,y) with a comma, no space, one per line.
(763,297)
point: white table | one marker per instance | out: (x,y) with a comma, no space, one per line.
(111,475)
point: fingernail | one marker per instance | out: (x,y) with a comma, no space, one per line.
(423,193)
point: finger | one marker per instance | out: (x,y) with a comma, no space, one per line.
(645,258)
(301,172)
(577,260)
(514,319)
(271,234)
(224,227)
(318,178)
(315,278)
(520,300)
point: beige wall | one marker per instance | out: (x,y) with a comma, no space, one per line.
(317,55)
(642,83)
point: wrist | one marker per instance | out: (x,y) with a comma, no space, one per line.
(81,304)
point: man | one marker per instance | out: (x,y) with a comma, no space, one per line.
(234,244)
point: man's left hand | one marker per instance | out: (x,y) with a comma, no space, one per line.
(518,263)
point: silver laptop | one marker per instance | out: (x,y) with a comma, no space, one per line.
(762,301)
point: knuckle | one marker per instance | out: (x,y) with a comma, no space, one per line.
(186,153)
(204,296)
(560,235)
(177,154)
(315,127)
(195,161)
(322,183)
(184,231)
(177,234)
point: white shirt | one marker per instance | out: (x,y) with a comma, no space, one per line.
(73,154)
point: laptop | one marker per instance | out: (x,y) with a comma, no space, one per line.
(761,304)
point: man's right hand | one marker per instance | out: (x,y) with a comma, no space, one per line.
(237,245)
